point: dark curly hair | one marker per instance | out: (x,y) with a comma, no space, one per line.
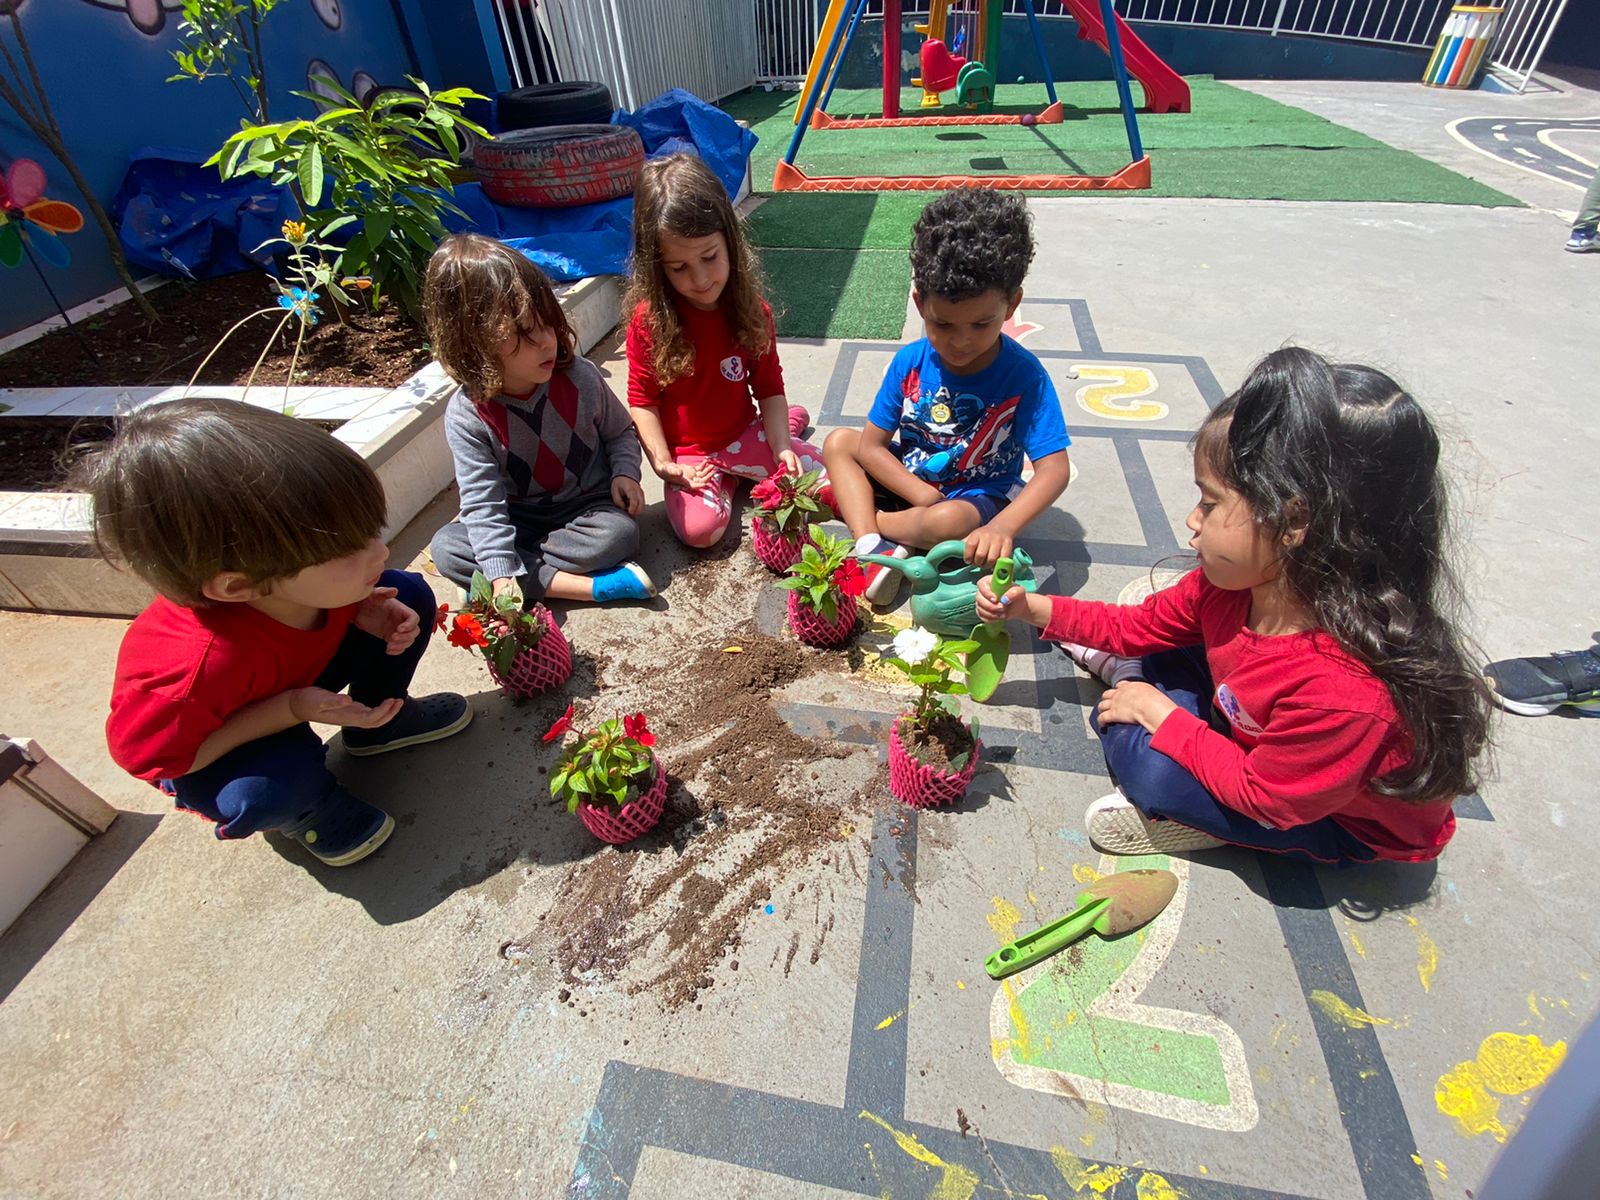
(970,241)
(1343,451)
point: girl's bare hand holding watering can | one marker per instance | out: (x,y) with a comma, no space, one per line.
(1016,605)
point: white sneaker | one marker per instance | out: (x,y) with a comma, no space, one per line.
(1117,827)
(882,582)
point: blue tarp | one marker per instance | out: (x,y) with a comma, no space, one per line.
(178,218)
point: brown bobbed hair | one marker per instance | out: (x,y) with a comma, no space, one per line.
(680,196)
(478,293)
(191,488)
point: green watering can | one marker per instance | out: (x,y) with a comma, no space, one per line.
(944,587)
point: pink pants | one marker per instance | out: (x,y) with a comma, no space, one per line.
(700,518)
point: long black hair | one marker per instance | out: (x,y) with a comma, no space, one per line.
(1341,452)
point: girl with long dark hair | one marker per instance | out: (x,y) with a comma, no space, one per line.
(1304,691)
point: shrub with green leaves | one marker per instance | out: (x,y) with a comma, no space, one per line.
(386,164)
(223,37)
(825,574)
(609,763)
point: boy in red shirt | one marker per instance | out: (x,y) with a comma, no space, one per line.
(261,535)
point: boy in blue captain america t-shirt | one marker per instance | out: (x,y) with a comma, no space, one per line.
(966,401)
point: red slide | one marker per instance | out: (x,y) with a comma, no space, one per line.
(1164,89)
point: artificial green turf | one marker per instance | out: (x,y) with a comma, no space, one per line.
(1233,144)
(838,293)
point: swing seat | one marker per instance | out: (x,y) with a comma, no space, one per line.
(940,68)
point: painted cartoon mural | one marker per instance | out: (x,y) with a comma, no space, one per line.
(148,16)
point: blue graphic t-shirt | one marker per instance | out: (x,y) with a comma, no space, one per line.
(968,433)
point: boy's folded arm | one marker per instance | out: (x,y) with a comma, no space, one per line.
(483,495)
(1050,476)
(156,736)
(250,723)
(885,467)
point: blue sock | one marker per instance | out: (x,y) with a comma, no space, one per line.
(625,582)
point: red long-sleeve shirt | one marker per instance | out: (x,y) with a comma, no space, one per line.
(1312,727)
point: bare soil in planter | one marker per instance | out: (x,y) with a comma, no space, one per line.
(939,746)
(755,813)
(37,453)
(367,350)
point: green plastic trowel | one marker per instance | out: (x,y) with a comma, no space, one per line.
(1114,905)
(986,666)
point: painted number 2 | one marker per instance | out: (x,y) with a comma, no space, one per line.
(1113,390)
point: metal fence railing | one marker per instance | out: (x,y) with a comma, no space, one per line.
(1525,30)
(787,29)
(637,48)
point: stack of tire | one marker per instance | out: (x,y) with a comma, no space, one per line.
(555,148)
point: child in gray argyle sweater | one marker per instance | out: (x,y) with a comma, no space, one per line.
(545,454)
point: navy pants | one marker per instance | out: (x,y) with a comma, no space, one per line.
(1162,789)
(280,779)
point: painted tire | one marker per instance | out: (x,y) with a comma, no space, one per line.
(546,104)
(561,166)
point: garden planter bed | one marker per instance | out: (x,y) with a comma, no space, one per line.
(47,557)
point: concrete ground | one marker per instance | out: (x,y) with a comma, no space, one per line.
(787,999)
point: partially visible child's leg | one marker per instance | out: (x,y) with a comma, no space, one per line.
(852,486)
(451,551)
(926,527)
(282,782)
(700,518)
(587,558)
(1163,807)
(749,456)
(373,675)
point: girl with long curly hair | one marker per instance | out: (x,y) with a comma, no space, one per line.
(704,384)
(1304,691)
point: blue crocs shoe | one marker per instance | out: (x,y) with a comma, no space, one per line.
(627,582)
(342,831)
(426,720)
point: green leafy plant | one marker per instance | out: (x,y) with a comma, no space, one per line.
(794,502)
(386,165)
(497,625)
(826,574)
(223,37)
(610,762)
(938,668)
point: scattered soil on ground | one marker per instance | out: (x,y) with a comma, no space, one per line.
(754,812)
(119,348)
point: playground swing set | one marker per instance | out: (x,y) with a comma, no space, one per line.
(951,66)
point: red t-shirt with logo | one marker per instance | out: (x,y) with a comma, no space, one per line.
(704,411)
(1311,726)
(182,672)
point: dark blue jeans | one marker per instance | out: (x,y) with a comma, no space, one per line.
(278,780)
(1163,790)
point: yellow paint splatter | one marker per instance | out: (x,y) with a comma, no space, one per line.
(1356,942)
(1346,1014)
(1533,1005)
(955,1183)
(1021,1037)
(1080,1175)
(1427,954)
(1507,1065)
(1444,1171)
(890,1019)
(1155,1187)
(1417,1158)
(1032,899)
(1004,920)
(1082,873)
(961,985)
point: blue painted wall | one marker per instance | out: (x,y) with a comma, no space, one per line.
(104,64)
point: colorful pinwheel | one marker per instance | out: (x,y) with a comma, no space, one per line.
(28,221)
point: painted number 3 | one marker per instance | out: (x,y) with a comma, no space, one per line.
(1113,390)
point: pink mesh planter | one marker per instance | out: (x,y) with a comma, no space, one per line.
(812,628)
(776,552)
(618,825)
(922,786)
(538,668)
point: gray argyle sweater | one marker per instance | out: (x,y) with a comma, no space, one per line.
(561,445)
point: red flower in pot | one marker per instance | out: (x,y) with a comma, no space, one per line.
(525,651)
(787,506)
(610,777)
(824,585)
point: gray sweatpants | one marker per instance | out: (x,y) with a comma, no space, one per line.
(1589,210)
(587,536)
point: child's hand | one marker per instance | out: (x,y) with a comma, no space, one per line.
(335,708)
(789,461)
(509,587)
(386,619)
(995,608)
(690,478)
(987,544)
(1135,703)
(627,495)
